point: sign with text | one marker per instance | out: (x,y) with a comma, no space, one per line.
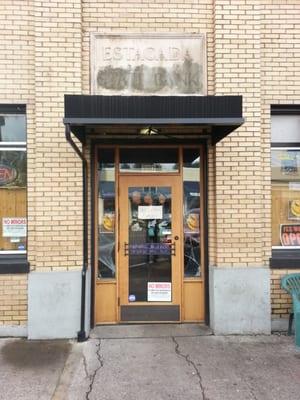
(290,234)
(14,227)
(8,174)
(159,291)
(151,249)
(150,212)
(148,64)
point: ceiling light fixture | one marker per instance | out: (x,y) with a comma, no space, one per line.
(148,131)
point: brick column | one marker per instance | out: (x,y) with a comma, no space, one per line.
(239,203)
(240,297)
(58,220)
(17,86)
(54,290)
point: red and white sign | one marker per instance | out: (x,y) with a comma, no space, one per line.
(7,174)
(159,291)
(290,234)
(14,227)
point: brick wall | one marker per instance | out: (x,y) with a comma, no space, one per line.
(58,198)
(280,84)
(40,62)
(238,183)
(13,299)
(256,47)
(281,301)
(17,86)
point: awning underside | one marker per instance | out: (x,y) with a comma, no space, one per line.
(124,116)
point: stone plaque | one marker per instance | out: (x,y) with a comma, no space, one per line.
(139,64)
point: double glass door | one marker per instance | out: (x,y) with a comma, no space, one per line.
(149,250)
(150,247)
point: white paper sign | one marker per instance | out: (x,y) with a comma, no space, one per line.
(14,227)
(159,291)
(150,212)
(294,186)
(15,240)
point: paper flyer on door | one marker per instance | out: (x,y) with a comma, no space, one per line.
(159,291)
(150,212)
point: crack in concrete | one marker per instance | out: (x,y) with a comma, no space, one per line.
(93,375)
(85,366)
(251,388)
(192,364)
(252,393)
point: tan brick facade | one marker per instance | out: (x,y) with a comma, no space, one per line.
(13,296)
(281,301)
(17,86)
(238,158)
(253,50)
(280,83)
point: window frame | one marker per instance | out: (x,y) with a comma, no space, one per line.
(285,257)
(14,261)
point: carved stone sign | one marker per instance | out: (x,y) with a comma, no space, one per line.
(148,64)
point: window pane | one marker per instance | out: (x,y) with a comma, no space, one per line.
(285,128)
(285,197)
(286,165)
(191,204)
(12,128)
(13,200)
(149,233)
(148,160)
(13,168)
(106,212)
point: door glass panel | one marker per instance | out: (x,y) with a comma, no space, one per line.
(106,214)
(148,160)
(191,204)
(149,248)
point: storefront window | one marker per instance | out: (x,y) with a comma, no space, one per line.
(285,162)
(106,214)
(191,204)
(13,183)
(285,197)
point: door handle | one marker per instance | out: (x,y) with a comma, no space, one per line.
(126,249)
(173,248)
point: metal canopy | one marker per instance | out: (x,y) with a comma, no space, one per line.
(217,116)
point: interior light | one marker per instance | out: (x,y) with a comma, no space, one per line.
(148,131)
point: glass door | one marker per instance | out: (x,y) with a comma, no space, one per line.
(150,248)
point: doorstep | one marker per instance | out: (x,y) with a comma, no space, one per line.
(149,331)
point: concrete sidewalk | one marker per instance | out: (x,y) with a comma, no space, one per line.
(152,363)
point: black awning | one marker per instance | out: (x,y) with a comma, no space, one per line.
(221,114)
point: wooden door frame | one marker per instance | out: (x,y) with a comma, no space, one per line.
(159,180)
(203,149)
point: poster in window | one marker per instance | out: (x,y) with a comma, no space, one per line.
(14,227)
(12,168)
(289,164)
(290,235)
(294,209)
(159,291)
